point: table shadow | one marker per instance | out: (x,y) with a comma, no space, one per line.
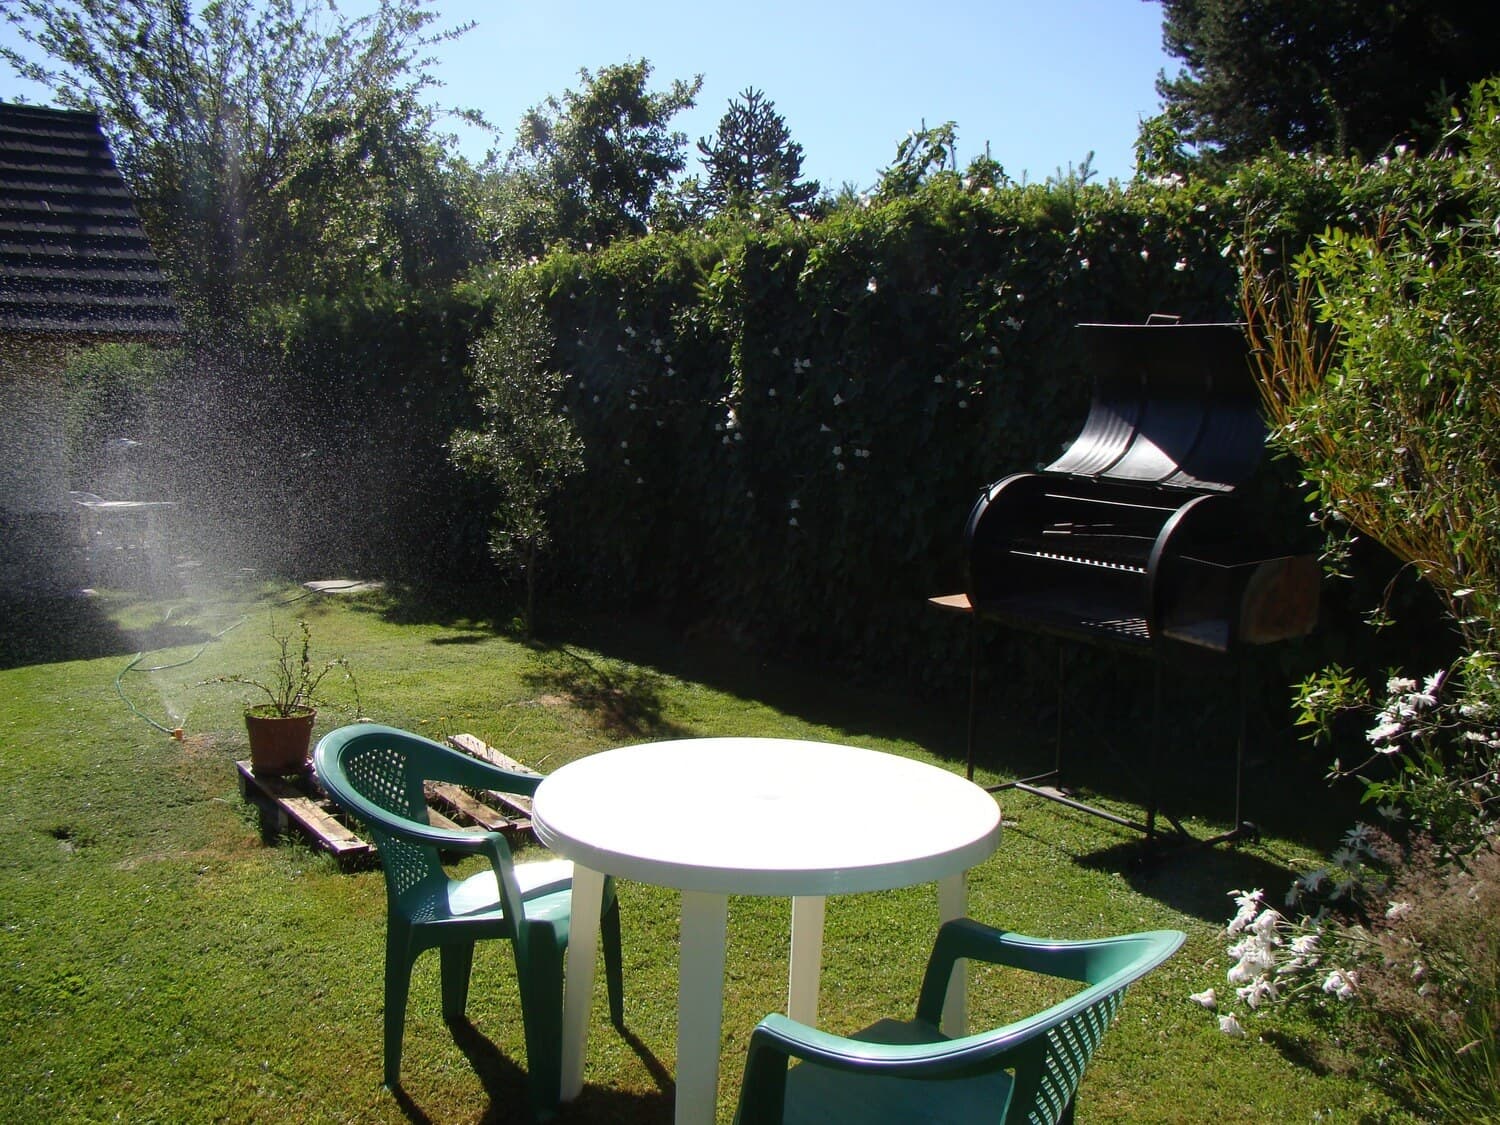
(505,1086)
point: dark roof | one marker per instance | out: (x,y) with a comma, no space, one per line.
(74,259)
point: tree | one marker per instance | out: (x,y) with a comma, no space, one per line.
(526,448)
(922,154)
(586,168)
(1328,76)
(234,123)
(752,160)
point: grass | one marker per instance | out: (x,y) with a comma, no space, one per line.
(158,962)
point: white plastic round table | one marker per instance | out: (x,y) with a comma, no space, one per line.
(713,817)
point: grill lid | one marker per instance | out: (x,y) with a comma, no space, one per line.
(1174,405)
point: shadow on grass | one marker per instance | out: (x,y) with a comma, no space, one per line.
(51,630)
(505,1085)
(1105,705)
(1106,737)
(623,698)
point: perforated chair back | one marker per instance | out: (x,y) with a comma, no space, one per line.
(896,1072)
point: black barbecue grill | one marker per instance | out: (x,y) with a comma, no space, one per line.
(1136,537)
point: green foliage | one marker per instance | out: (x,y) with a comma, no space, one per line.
(1376,350)
(292,686)
(785,426)
(587,167)
(1376,359)
(526,448)
(922,154)
(240,127)
(1329,76)
(752,161)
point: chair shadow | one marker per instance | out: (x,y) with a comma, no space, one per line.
(505,1085)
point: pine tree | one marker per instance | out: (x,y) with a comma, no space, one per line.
(752,160)
(1331,76)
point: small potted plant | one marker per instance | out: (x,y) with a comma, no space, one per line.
(280,729)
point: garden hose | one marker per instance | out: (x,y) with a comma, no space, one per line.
(176,732)
(170,732)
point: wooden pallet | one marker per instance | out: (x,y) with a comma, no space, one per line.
(297,804)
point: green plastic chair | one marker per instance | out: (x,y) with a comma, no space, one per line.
(376,773)
(909,1071)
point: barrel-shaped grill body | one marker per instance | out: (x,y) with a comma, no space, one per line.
(1136,535)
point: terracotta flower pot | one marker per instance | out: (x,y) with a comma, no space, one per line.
(279,743)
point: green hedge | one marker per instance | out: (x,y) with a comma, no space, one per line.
(785,428)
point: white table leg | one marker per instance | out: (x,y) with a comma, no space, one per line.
(952,903)
(807,959)
(700,1005)
(578,982)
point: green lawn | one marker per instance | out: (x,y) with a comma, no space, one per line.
(159,963)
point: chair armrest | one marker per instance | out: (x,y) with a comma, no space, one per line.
(459,768)
(1090,961)
(778,1039)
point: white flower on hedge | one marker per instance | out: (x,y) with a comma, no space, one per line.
(838,399)
(793,522)
(1181,265)
(1381,736)
(872,285)
(1083,263)
(793,504)
(1207,999)
(1231,1027)
(838,450)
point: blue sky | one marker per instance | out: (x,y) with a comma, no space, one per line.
(1045,82)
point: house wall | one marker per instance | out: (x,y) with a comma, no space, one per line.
(40,550)
(33,468)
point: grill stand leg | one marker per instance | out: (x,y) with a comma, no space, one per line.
(973,688)
(1179,838)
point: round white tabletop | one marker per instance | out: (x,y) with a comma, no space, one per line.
(765,816)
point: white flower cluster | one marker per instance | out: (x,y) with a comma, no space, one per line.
(1406,705)
(1270,955)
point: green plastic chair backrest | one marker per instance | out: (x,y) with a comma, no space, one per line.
(1047,1052)
(377,773)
